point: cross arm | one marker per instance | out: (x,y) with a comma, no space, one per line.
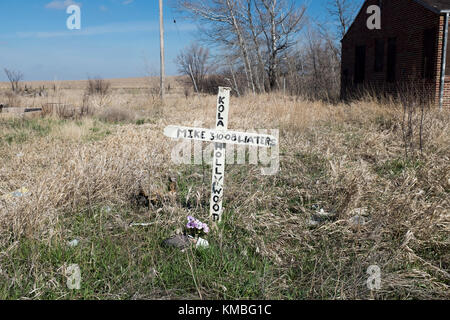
(219,136)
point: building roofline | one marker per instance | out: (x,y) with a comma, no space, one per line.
(426,5)
(422,3)
(353,22)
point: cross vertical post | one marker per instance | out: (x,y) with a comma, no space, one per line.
(218,165)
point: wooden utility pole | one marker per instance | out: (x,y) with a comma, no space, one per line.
(161,36)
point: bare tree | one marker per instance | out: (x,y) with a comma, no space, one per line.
(97,91)
(313,70)
(193,61)
(343,11)
(226,27)
(14,78)
(259,32)
(280,21)
(98,86)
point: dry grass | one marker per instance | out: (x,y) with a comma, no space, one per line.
(337,157)
(116,114)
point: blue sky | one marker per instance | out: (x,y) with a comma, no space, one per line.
(118,38)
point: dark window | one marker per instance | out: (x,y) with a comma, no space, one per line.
(429,53)
(379,55)
(360,63)
(391,59)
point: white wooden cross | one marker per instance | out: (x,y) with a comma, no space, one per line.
(220,136)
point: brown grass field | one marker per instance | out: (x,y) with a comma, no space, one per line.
(83,174)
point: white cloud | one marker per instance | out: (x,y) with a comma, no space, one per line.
(142,26)
(60,5)
(127,2)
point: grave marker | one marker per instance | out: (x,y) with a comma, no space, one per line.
(221,136)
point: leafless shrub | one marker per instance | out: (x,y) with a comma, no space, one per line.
(98,86)
(14,78)
(313,71)
(343,11)
(98,91)
(193,62)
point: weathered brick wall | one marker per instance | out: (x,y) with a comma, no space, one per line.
(446,103)
(406,20)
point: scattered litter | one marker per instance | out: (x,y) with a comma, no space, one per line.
(357,220)
(319,217)
(19,155)
(359,217)
(360,211)
(312,222)
(73,274)
(182,241)
(323,214)
(153,272)
(74,243)
(22,192)
(141,224)
(202,243)
(107,209)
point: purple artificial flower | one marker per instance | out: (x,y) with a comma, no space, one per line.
(191,225)
(199,225)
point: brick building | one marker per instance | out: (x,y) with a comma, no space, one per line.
(409,51)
